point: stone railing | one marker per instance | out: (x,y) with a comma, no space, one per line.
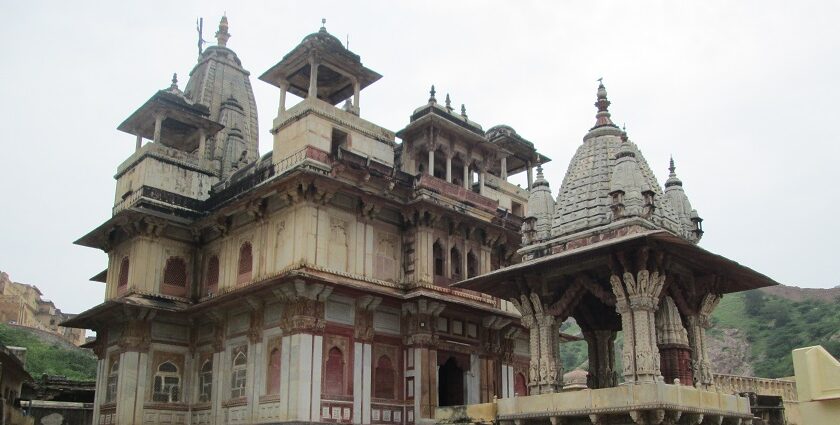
(457,193)
(734,384)
(505,187)
(160,195)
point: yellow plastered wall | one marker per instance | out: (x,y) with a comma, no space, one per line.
(818,387)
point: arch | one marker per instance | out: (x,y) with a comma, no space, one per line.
(238,378)
(273,378)
(113,380)
(384,378)
(520,387)
(167,383)
(334,372)
(212,278)
(440,164)
(455,264)
(437,258)
(246,263)
(450,383)
(122,281)
(205,381)
(472,265)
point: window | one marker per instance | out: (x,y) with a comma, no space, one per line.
(437,254)
(212,279)
(122,282)
(167,388)
(238,379)
(520,388)
(334,370)
(472,265)
(273,381)
(205,382)
(455,263)
(175,272)
(246,263)
(339,139)
(384,379)
(113,379)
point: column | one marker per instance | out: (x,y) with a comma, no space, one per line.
(601,345)
(202,145)
(284,87)
(138,142)
(697,325)
(421,317)
(504,172)
(363,361)
(449,168)
(313,77)
(546,368)
(466,176)
(431,162)
(158,124)
(482,171)
(530,174)
(637,291)
(356,90)
(672,340)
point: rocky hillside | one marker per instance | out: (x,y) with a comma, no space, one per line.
(48,354)
(754,332)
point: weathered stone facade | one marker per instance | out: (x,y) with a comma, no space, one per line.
(312,284)
(22,305)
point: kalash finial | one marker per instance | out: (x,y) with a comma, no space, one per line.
(463,111)
(222,35)
(448,103)
(602,118)
(324,24)
(432,95)
(672,169)
(174,85)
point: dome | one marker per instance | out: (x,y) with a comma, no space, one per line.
(675,194)
(575,380)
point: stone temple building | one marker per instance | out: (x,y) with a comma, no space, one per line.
(348,278)
(310,284)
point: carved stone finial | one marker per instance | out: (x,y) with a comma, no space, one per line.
(222,35)
(432,95)
(448,103)
(463,111)
(602,118)
(174,84)
(324,24)
(672,169)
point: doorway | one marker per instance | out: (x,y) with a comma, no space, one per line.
(450,383)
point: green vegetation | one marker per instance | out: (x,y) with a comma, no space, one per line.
(775,326)
(52,358)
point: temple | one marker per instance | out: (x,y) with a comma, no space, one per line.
(348,277)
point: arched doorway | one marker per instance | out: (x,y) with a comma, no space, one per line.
(450,383)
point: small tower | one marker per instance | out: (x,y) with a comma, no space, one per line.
(689,219)
(541,207)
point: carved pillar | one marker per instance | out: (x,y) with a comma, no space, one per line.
(158,126)
(601,344)
(449,168)
(482,171)
(504,173)
(284,87)
(546,368)
(697,324)
(466,176)
(530,174)
(419,319)
(356,90)
(313,77)
(431,169)
(672,340)
(363,360)
(637,283)
(138,143)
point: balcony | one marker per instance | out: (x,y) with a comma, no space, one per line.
(457,193)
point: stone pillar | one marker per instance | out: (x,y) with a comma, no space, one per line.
(356,90)
(202,145)
(363,362)
(546,368)
(696,329)
(139,142)
(449,168)
(466,176)
(601,345)
(431,162)
(530,174)
(420,317)
(481,172)
(672,340)
(504,173)
(284,87)
(158,125)
(637,283)
(133,370)
(313,77)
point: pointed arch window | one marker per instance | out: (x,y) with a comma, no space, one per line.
(113,380)
(238,378)
(334,371)
(384,379)
(472,265)
(167,385)
(455,264)
(273,380)
(520,388)
(246,263)
(437,255)
(212,278)
(122,281)
(205,381)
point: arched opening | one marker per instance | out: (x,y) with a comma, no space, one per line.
(238,378)
(273,381)
(384,381)
(455,264)
(212,279)
(472,265)
(175,277)
(440,165)
(167,384)
(205,382)
(113,379)
(246,263)
(450,383)
(122,281)
(520,387)
(457,171)
(437,256)
(334,373)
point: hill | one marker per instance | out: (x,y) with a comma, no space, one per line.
(50,355)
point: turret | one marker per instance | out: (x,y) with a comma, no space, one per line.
(630,193)
(690,221)
(540,207)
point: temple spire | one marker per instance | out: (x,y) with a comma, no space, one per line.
(222,35)
(432,95)
(672,168)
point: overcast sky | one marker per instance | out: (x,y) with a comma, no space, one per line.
(743,94)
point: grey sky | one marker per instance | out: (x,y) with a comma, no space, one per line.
(741,93)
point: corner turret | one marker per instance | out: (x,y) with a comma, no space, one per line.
(690,221)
